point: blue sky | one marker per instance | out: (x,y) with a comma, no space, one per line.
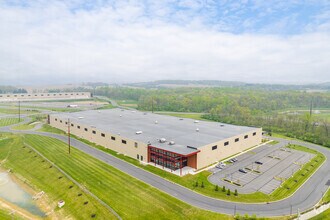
(255,41)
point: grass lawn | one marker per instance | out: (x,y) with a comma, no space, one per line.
(24,127)
(326,198)
(128,103)
(8,121)
(48,128)
(322,216)
(129,197)
(108,106)
(5,215)
(15,111)
(38,174)
(196,116)
(273,142)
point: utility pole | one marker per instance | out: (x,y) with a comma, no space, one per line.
(235,211)
(69,144)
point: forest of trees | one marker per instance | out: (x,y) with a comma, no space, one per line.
(250,107)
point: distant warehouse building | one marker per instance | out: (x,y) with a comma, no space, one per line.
(14,97)
(172,143)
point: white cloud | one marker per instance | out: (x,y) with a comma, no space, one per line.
(50,43)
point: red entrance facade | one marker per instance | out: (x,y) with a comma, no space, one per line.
(171,160)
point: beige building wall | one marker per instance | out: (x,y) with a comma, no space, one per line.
(131,148)
(207,156)
(43,96)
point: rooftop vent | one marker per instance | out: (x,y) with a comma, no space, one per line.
(222,125)
(120,115)
(99,111)
(196,121)
(197,129)
(181,119)
(80,117)
(138,132)
(133,111)
(171,143)
(162,140)
(156,122)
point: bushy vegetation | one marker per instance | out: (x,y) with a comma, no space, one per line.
(242,106)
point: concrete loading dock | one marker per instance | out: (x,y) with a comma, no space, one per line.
(278,164)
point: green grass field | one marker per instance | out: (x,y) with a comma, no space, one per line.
(322,216)
(28,126)
(15,111)
(196,116)
(5,215)
(50,129)
(109,106)
(130,198)
(128,103)
(8,121)
(38,173)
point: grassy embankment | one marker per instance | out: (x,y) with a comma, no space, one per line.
(13,111)
(9,121)
(189,181)
(322,216)
(129,197)
(36,173)
(127,103)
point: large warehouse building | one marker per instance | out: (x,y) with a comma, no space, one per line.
(14,97)
(173,143)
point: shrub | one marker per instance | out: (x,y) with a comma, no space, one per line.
(216,188)
(228,192)
(223,189)
(236,193)
(202,185)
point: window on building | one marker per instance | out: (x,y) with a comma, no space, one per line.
(214,147)
(123,141)
(78,127)
(246,136)
(113,138)
(94,132)
(86,129)
(141,157)
(254,133)
(61,121)
(135,144)
(226,143)
(66,122)
(103,135)
(237,140)
(137,157)
(55,119)
(72,125)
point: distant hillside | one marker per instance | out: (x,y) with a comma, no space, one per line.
(218,83)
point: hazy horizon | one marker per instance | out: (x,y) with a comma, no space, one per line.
(278,42)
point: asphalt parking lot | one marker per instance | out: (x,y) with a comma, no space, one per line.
(277,163)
